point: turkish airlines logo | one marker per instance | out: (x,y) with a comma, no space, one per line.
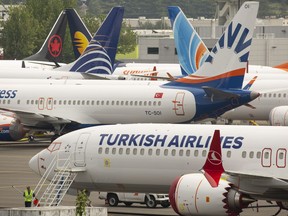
(214,158)
(55,46)
(158,95)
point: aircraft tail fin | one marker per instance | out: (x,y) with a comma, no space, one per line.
(226,64)
(51,49)
(80,35)
(213,167)
(99,56)
(191,50)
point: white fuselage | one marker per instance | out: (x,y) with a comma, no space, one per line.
(102,103)
(147,157)
(273,93)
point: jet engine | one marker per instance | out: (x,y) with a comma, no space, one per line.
(192,194)
(11,128)
(279,116)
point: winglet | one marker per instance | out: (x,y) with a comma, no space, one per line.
(213,167)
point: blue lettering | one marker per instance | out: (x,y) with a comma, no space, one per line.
(14,94)
(161,140)
(132,140)
(102,138)
(227,142)
(174,141)
(123,138)
(190,141)
(198,144)
(238,142)
(149,140)
(110,141)
(182,141)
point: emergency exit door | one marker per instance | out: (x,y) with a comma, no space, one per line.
(80,150)
(179,103)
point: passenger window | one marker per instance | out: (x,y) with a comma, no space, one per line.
(131,103)
(258,155)
(83,102)
(135,151)
(140,103)
(188,153)
(251,154)
(145,103)
(142,151)
(166,152)
(69,102)
(117,103)
(196,153)
(4,101)
(87,102)
(32,102)
(149,103)
(126,103)
(107,103)
(181,152)
(121,151)
(92,102)
(98,102)
(106,150)
(157,152)
(100,150)
(60,102)
(228,154)
(8,101)
(204,152)
(113,151)
(173,152)
(55,102)
(102,102)
(159,103)
(266,155)
(127,151)
(78,102)
(112,103)
(135,103)
(18,101)
(74,102)
(154,103)
(244,154)
(27,102)
(150,152)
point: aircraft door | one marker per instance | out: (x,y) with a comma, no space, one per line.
(266,158)
(281,158)
(80,150)
(49,103)
(41,103)
(178,103)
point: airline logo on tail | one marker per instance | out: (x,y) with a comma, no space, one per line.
(80,41)
(55,45)
(94,60)
(231,35)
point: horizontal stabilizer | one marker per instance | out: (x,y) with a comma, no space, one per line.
(214,93)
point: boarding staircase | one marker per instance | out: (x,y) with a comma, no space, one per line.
(64,176)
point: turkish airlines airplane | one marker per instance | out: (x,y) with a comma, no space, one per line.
(68,107)
(150,158)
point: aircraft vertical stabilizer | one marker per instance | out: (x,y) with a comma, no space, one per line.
(192,52)
(100,54)
(51,49)
(80,35)
(226,64)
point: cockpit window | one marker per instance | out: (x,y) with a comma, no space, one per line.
(54,146)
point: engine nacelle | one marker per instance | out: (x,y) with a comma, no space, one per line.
(279,116)
(192,194)
(11,128)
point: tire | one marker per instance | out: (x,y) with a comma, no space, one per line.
(165,204)
(150,203)
(128,203)
(113,200)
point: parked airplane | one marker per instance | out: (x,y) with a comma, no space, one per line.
(148,158)
(184,100)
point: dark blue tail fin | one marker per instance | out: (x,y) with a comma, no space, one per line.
(51,49)
(80,35)
(100,54)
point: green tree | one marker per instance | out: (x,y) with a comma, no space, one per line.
(127,40)
(18,40)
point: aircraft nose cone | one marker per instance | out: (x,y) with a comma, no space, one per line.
(34,164)
(254,95)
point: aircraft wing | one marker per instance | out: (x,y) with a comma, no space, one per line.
(256,184)
(30,119)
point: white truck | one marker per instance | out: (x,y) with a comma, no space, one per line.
(151,200)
